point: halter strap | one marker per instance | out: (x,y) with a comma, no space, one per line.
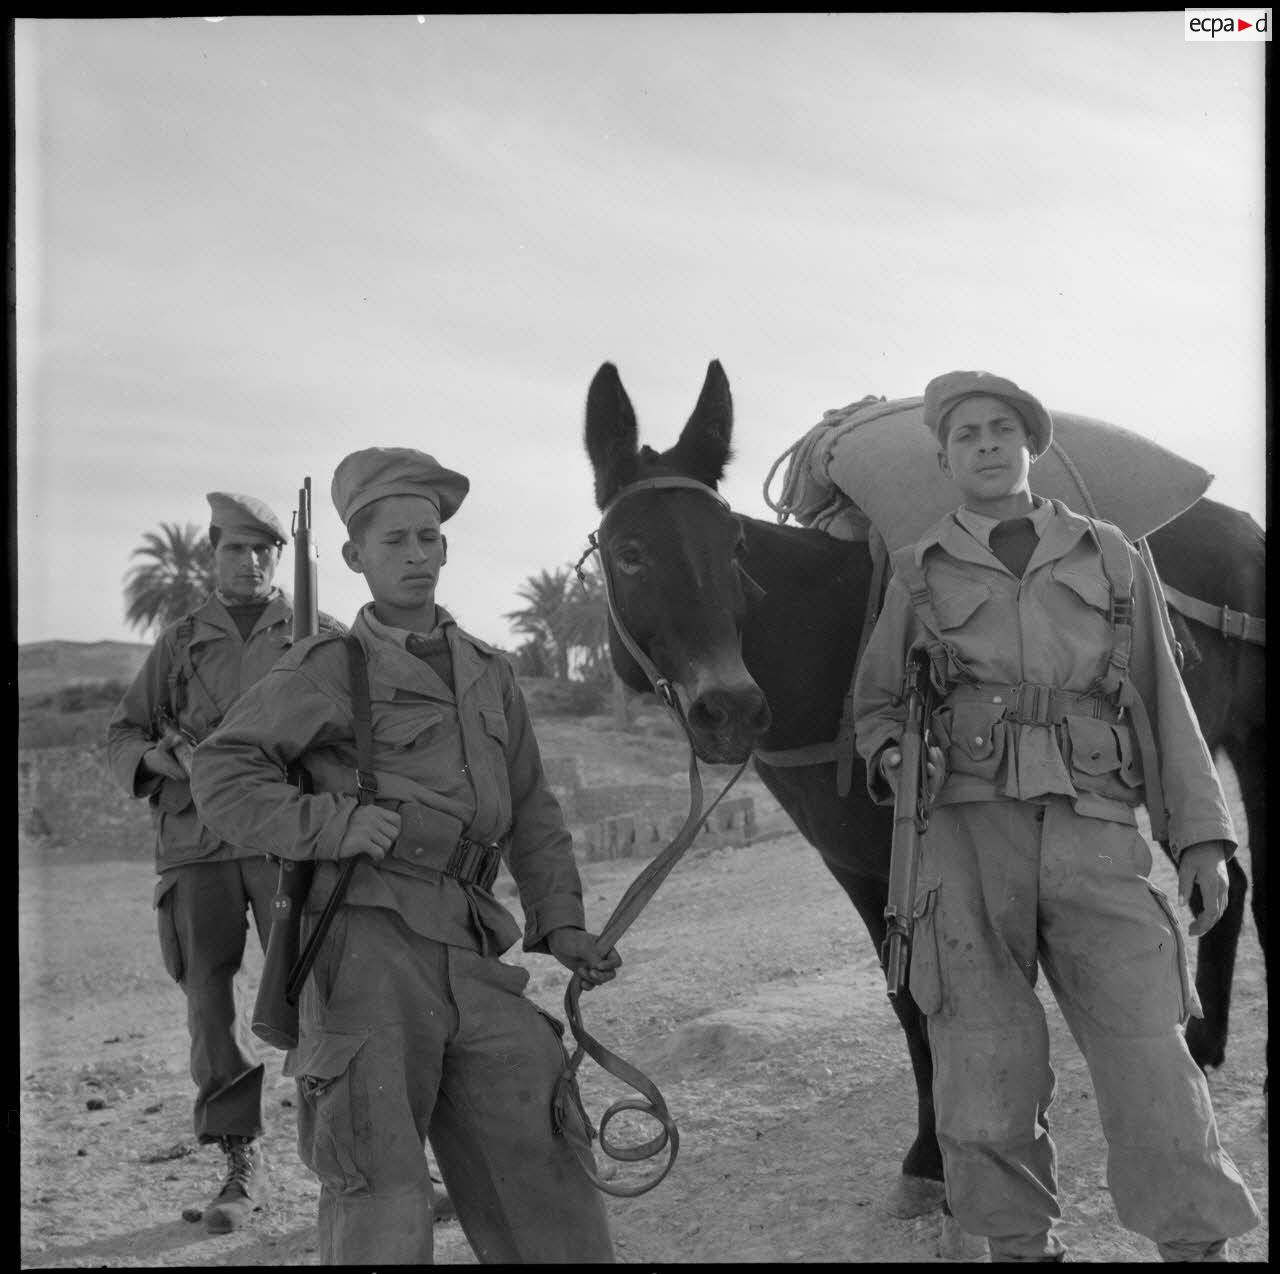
(661,484)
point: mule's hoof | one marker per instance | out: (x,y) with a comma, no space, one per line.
(955,1244)
(915,1196)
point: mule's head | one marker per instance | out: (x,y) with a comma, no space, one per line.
(673,556)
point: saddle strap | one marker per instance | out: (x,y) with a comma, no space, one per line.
(1230,623)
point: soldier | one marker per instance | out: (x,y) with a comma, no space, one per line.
(192,676)
(410,1025)
(1061,710)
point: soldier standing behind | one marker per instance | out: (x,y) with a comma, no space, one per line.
(410,1025)
(194,673)
(1061,711)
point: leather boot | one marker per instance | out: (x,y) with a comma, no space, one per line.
(243,1190)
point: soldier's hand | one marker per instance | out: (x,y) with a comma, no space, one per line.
(372,831)
(935,767)
(160,760)
(576,950)
(1204,866)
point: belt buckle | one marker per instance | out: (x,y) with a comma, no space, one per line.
(1031,704)
(474,863)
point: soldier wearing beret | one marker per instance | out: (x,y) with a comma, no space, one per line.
(1060,710)
(412,1028)
(194,673)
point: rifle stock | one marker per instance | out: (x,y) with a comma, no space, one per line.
(910,820)
(275,1011)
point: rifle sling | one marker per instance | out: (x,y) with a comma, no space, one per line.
(366,791)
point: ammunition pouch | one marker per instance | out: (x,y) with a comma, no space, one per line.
(432,840)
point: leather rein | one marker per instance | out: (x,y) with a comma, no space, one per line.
(650,1101)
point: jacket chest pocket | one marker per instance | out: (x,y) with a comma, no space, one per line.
(1085,586)
(957,603)
(494,722)
(406,723)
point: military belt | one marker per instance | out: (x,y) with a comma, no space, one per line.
(1031,703)
(431,839)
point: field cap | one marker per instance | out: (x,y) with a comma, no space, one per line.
(230,512)
(942,393)
(378,472)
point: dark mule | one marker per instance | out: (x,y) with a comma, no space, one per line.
(1218,555)
(757,626)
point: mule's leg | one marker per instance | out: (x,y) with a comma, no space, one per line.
(1215,968)
(920,1189)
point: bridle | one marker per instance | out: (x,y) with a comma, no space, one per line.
(651,1101)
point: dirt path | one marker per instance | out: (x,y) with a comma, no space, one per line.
(749,995)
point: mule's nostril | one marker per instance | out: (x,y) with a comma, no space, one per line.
(707,714)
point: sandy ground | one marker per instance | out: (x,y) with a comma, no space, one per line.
(750,995)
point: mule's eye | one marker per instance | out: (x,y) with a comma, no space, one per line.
(628,560)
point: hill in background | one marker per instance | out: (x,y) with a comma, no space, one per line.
(45,667)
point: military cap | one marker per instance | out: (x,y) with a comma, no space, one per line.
(942,393)
(243,513)
(378,472)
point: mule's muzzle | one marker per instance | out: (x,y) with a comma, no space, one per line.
(727,724)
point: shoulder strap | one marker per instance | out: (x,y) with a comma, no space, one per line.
(912,574)
(1117,565)
(366,780)
(178,669)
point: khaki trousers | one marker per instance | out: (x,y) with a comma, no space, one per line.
(202,913)
(1007,887)
(405,1039)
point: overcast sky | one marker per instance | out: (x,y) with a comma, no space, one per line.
(246,247)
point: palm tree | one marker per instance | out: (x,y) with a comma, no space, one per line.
(176,575)
(542,620)
(585,617)
(586,626)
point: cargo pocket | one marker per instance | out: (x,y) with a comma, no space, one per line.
(1191,1006)
(924,978)
(170,944)
(568,1113)
(326,1119)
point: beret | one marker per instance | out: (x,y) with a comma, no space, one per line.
(942,393)
(378,472)
(229,511)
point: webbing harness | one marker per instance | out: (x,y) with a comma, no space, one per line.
(947,669)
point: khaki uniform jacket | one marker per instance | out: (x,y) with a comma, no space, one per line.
(468,751)
(1050,628)
(217,668)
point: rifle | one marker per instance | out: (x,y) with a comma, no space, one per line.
(172,736)
(910,821)
(275,1012)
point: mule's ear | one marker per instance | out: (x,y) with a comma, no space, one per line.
(610,433)
(703,449)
